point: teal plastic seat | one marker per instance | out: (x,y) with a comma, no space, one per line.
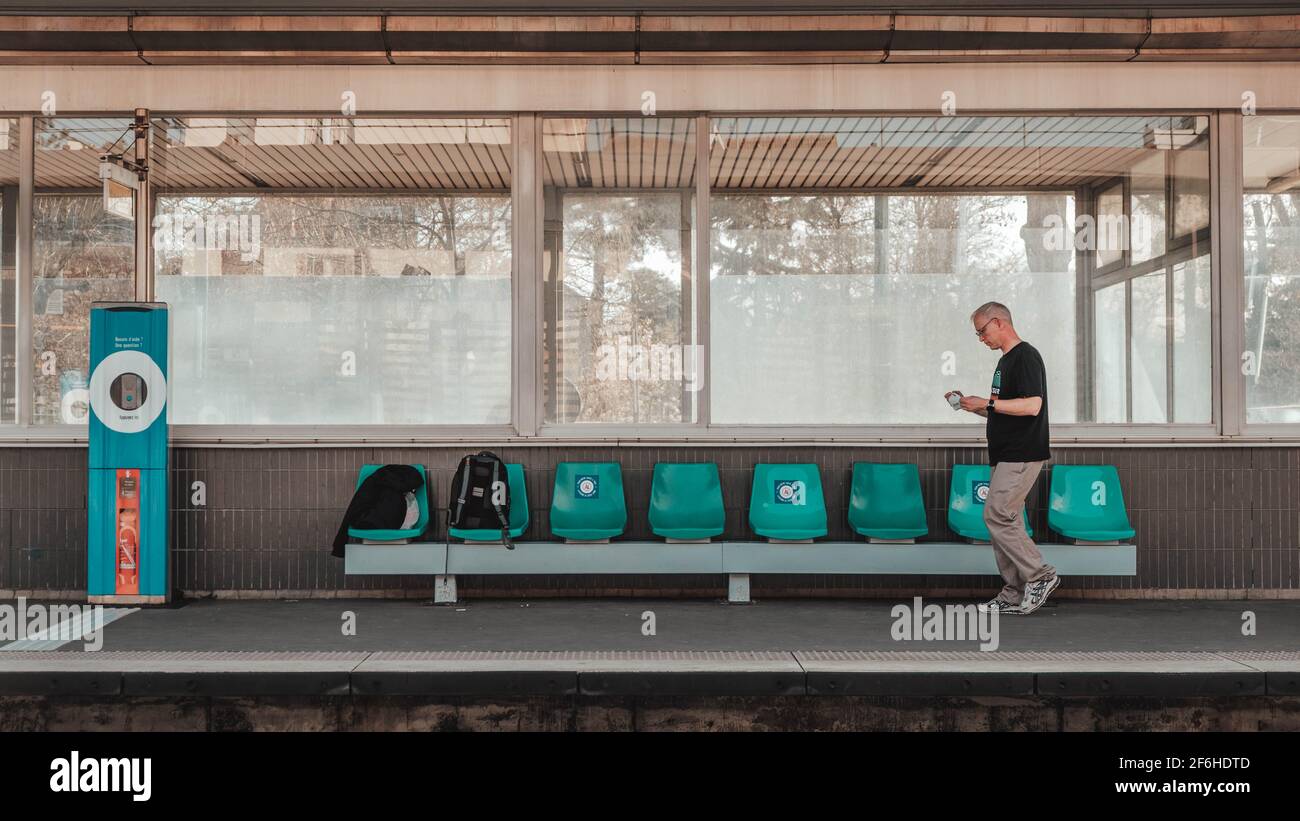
(518,520)
(1087,504)
(587,504)
(885,501)
(686,501)
(787,502)
(966,502)
(421,498)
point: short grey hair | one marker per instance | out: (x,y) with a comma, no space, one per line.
(992,310)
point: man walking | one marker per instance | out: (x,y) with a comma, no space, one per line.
(1018,449)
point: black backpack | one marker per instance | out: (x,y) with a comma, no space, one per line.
(480,495)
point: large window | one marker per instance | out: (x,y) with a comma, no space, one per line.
(82,253)
(1271,360)
(619,340)
(1151,276)
(350,272)
(848,254)
(325,303)
(836,309)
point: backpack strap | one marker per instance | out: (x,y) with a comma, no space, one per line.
(497,466)
(463,493)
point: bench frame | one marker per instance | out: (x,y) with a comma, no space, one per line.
(735,560)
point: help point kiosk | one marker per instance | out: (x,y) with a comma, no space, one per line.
(127,501)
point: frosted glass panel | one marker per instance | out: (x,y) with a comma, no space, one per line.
(1110,367)
(796,346)
(1192,388)
(337,310)
(1150,350)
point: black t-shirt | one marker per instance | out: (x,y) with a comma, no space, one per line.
(1020,373)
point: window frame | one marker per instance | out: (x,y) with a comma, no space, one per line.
(1225,230)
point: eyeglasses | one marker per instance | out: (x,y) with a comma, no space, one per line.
(980,333)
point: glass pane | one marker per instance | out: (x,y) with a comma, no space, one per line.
(1192,181)
(9,160)
(1111,232)
(339,307)
(619,343)
(1271,363)
(1110,366)
(1150,350)
(82,253)
(1192,371)
(831,304)
(792,276)
(1148,226)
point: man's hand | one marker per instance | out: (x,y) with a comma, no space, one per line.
(974,404)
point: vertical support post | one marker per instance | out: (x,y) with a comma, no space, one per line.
(702,351)
(143,210)
(686,300)
(738,588)
(1085,302)
(880,225)
(23,278)
(1228,308)
(1170,393)
(1128,351)
(525,221)
(444,589)
(8,284)
(551,403)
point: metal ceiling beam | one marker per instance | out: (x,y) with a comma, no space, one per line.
(158,39)
(1054,8)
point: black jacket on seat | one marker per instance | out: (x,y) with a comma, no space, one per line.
(379,502)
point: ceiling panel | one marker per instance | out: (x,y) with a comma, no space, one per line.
(330,154)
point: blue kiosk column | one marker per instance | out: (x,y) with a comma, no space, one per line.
(127,498)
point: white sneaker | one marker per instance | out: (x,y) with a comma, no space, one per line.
(999,606)
(1036,593)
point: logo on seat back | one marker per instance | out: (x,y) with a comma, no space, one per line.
(789,492)
(979,491)
(586,487)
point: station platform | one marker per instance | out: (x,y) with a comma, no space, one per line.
(557,660)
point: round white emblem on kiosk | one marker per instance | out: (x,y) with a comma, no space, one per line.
(127,391)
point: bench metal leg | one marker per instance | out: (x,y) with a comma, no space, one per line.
(738,588)
(444,590)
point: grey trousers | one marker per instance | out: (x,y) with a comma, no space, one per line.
(1019,559)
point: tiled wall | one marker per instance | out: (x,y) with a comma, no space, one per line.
(1222,519)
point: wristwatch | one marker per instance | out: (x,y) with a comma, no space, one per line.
(989,406)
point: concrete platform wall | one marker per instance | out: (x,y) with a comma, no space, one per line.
(1211,521)
(631,713)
